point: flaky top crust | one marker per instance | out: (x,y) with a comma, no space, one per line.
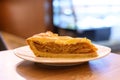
(52,37)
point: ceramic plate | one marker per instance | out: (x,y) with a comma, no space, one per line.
(25,53)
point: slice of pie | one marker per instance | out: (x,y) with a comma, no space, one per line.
(52,45)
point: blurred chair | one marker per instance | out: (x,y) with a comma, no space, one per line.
(11,41)
(2,44)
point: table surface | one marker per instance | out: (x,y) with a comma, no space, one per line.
(14,68)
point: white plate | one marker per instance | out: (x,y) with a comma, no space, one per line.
(25,53)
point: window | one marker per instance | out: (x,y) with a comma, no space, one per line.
(86,14)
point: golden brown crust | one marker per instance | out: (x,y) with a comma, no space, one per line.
(51,45)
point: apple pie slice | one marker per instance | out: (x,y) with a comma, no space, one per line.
(52,45)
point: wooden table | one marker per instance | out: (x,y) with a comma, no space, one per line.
(14,68)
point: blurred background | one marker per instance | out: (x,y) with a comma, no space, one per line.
(25,17)
(97,20)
